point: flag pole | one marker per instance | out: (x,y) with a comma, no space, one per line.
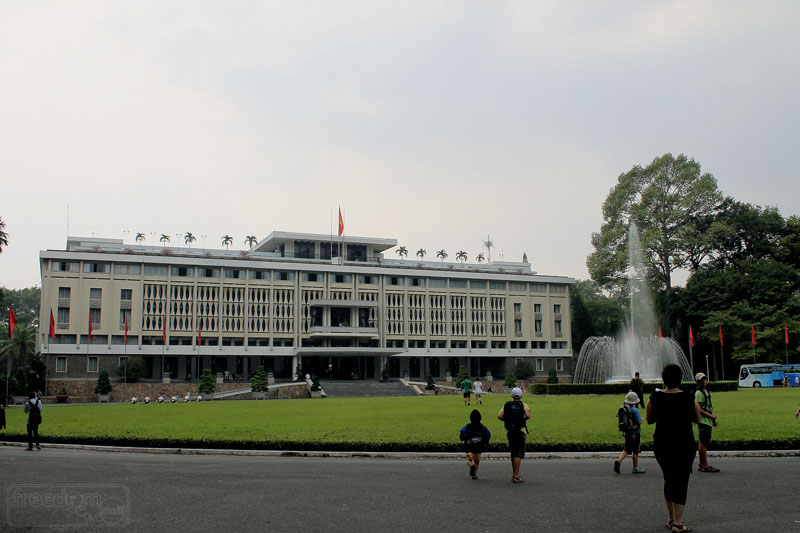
(691,356)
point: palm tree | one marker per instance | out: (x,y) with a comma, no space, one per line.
(462,256)
(421,253)
(402,252)
(3,235)
(479,258)
(189,239)
(21,345)
(251,240)
(442,255)
(139,237)
(164,238)
(227,240)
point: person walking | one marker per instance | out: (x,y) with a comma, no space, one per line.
(475,437)
(33,407)
(707,420)
(633,436)
(673,411)
(477,389)
(466,386)
(515,415)
(637,386)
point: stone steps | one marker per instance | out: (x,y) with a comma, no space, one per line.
(365,389)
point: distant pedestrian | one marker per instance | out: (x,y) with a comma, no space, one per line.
(477,388)
(466,386)
(632,432)
(707,420)
(796,415)
(637,386)
(476,438)
(2,416)
(515,415)
(797,381)
(673,411)
(33,407)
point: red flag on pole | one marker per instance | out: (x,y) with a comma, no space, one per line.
(721,342)
(52,332)
(164,331)
(199,332)
(691,337)
(786,333)
(753,334)
(90,326)
(12,320)
(126,329)
(660,336)
(341,222)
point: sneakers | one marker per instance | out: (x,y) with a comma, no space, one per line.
(707,469)
(638,471)
(616,467)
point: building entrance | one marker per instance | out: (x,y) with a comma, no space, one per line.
(340,367)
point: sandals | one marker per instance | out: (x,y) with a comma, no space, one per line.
(680,528)
(517,480)
(707,469)
(670,523)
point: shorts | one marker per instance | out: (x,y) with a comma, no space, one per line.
(516,443)
(704,434)
(466,394)
(633,444)
(471,455)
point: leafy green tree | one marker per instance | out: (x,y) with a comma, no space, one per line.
(523,370)
(511,379)
(164,239)
(251,240)
(207,383)
(25,303)
(227,240)
(103,385)
(260,381)
(462,375)
(442,255)
(665,199)
(552,376)
(133,371)
(462,256)
(19,383)
(21,346)
(140,237)
(594,314)
(189,238)
(402,252)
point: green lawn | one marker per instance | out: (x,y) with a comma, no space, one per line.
(748,419)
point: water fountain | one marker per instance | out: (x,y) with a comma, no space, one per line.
(637,348)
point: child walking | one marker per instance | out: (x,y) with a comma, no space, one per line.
(633,435)
(476,437)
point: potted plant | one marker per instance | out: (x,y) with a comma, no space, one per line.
(259,385)
(207,385)
(385,372)
(430,388)
(62,395)
(103,387)
(316,390)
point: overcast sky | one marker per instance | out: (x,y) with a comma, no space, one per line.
(432,122)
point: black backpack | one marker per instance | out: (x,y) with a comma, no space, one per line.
(514,416)
(36,413)
(626,422)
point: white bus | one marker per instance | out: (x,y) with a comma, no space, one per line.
(768,375)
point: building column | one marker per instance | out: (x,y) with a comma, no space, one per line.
(294,367)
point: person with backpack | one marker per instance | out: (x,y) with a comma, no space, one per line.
(708,420)
(629,422)
(515,415)
(637,386)
(33,407)
(475,437)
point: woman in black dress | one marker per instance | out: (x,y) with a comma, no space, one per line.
(673,411)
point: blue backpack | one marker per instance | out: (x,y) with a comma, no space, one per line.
(514,416)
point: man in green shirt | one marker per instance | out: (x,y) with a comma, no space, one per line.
(707,420)
(466,386)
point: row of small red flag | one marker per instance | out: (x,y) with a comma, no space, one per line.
(722,340)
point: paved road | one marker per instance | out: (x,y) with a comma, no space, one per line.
(76,490)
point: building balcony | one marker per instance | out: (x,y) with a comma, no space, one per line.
(327,302)
(342,331)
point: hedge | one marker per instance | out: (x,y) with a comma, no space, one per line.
(621,388)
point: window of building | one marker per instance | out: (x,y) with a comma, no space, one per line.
(537,308)
(557,326)
(259,274)
(498,345)
(416,344)
(182,272)
(61,364)
(156,270)
(126,294)
(66,266)
(124,318)
(393,280)
(416,282)
(539,364)
(517,307)
(63,317)
(94,316)
(99,268)
(458,344)
(124,268)
(439,344)
(63,293)
(95,294)
(231,273)
(558,345)
(517,286)
(537,326)
(557,308)
(538,287)
(519,345)
(478,344)
(304,249)
(477,284)
(356,252)
(284,276)
(517,325)
(203,272)
(312,276)
(123,362)
(458,284)
(91,365)
(325,250)
(559,365)
(497,285)
(340,278)
(558,289)
(437,283)
(367,280)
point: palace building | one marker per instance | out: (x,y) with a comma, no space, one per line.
(294,299)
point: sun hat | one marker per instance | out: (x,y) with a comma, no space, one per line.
(516,392)
(700,376)
(632,398)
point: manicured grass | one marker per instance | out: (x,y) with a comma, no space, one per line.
(748,419)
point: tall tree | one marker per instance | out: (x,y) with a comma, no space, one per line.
(164,238)
(3,235)
(421,253)
(442,255)
(251,240)
(462,256)
(189,238)
(140,237)
(25,302)
(227,240)
(665,199)
(402,252)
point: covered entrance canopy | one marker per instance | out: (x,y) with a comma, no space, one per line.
(344,362)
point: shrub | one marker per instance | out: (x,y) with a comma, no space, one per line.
(103,385)
(538,388)
(552,376)
(207,384)
(19,383)
(431,385)
(133,371)
(63,391)
(462,375)
(385,372)
(623,388)
(511,379)
(523,370)
(260,382)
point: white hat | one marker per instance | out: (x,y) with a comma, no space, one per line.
(700,376)
(632,398)
(516,392)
